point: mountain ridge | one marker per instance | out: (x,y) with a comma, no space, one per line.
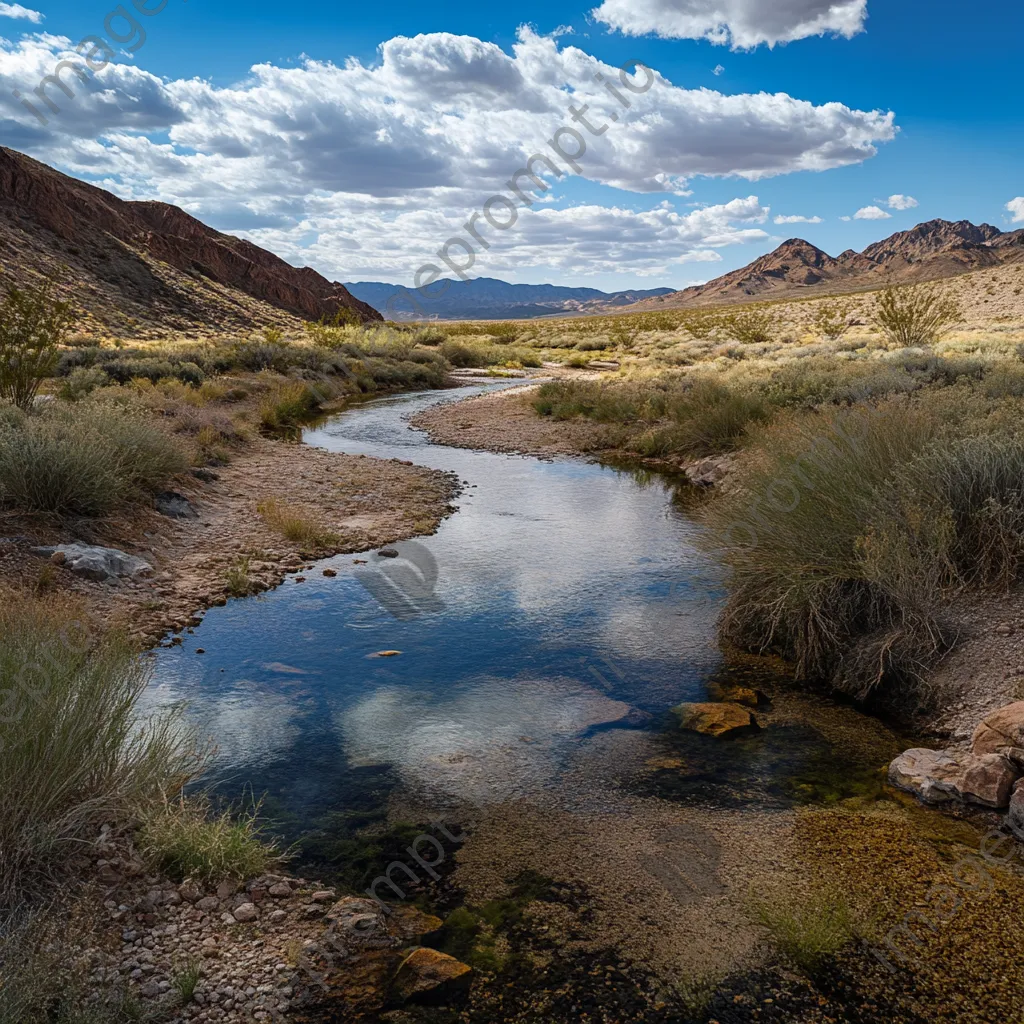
(147,262)
(490,298)
(932,250)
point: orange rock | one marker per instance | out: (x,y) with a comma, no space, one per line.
(715,719)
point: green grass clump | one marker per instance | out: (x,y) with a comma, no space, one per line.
(848,533)
(185,839)
(289,406)
(808,931)
(74,752)
(83,460)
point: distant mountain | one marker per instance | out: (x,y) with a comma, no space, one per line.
(928,252)
(485,298)
(136,266)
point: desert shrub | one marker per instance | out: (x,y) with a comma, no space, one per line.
(74,751)
(83,460)
(832,318)
(33,323)
(911,315)
(82,382)
(750,326)
(464,356)
(430,335)
(592,345)
(793,536)
(261,355)
(702,323)
(302,530)
(186,840)
(288,406)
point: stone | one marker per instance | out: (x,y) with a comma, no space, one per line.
(245,912)
(426,975)
(96,563)
(330,573)
(729,694)
(174,505)
(708,472)
(938,776)
(715,719)
(208,903)
(58,558)
(359,922)
(280,889)
(410,923)
(323,895)
(1003,728)
(387,553)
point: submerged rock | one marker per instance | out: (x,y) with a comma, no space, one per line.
(715,719)
(1003,728)
(429,976)
(938,776)
(96,563)
(1015,815)
(730,694)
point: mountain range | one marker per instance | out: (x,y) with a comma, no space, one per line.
(485,298)
(131,267)
(931,251)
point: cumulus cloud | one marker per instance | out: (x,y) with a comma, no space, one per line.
(798,220)
(900,202)
(362,167)
(1015,207)
(742,24)
(872,213)
(17,11)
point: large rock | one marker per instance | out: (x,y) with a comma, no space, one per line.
(715,719)
(731,693)
(427,976)
(359,922)
(95,563)
(938,776)
(1003,728)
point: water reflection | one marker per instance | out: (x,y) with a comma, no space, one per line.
(561,596)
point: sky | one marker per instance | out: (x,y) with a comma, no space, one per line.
(382,143)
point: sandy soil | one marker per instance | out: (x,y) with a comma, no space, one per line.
(365,502)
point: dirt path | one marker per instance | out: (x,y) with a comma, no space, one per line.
(363,502)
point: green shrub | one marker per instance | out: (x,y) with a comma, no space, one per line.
(810,930)
(185,839)
(289,406)
(912,315)
(74,752)
(83,460)
(848,532)
(33,323)
(750,326)
(832,318)
(82,382)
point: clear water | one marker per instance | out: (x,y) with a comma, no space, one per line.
(563,597)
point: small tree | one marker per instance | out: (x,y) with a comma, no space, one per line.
(832,319)
(754,325)
(702,323)
(919,314)
(33,323)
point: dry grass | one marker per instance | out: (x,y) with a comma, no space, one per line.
(310,535)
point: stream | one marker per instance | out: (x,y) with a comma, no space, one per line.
(544,633)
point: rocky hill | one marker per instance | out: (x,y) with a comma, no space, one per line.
(147,267)
(931,251)
(485,298)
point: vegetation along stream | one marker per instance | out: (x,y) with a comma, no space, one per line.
(512,678)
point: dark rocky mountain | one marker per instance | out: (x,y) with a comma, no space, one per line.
(133,267)
(931,251)
(485,298)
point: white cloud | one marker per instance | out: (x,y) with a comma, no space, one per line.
(872,213)
(798,220)
(718,70)
(743,24)
(1015,207)
(369,169)
(17,11)
(900,202)
(846,218)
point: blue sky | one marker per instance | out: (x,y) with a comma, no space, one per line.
(363,161)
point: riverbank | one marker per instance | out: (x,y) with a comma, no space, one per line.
(980,673)
(216,542)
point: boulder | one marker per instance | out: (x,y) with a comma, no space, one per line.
(428,976)
(715,719)
(245,912)
(937,776)
(1003,728)
(95,563)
